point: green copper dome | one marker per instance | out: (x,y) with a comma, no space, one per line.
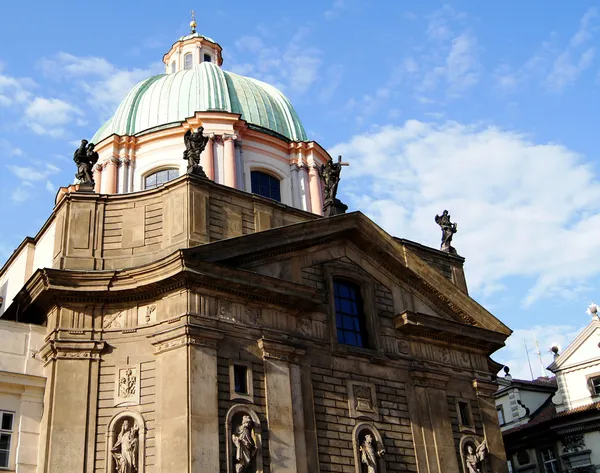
(172,98)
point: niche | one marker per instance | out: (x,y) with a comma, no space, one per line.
(369,450)
(126,443)
(243,440)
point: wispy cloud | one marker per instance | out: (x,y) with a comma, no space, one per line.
(335,9)
(49,116)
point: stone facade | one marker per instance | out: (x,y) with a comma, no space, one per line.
(193,328)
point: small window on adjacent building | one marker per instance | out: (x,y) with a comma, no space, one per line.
(207,58)
(6,433)
(349,314)
(266,185)
(595,383)
(160,177)
(500,411)
(187,61)
(464,412)
(549,460)
(173,67)
(240,379)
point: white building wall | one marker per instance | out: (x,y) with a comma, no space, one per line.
(15,276)
(44,248)
(577,385)
(22,391)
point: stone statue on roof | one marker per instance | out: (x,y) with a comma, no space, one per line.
(195,142)
(85,158)
(330,175)
(448,231)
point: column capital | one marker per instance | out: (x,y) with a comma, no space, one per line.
(185,335)
(228,136)
(71,350)
(279,350)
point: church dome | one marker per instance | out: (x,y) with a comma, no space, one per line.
(168,99)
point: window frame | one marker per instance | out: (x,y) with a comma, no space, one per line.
(340,270)
(173,67)
(155,171)
(360,317)
(233,394)
(205,56)
(554,460)
(462,427)
(268,174)
(185,62)
(500,411)
(10,433)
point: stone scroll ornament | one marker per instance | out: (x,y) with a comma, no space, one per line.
(125,449)
(370,452)
(245,446)
(448,231)
(85,158)
(330,175)
(195,142)
(475,456)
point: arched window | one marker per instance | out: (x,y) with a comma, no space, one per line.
(187,61)
(159,178)
(207,58)
(266,185)
(173,67)
(349,314)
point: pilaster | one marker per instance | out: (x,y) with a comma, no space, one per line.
(230,161)
(491,430)
(316,199)
(207,158)
(187,399)
(287,444)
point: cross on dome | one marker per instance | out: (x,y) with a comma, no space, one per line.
(193,22)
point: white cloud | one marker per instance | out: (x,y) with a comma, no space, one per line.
(104,84)
(29,173)
(294,69)
(566,68)
(14,90)
(523,342)
(500,187)
(6,147)
(336,8)
(20,194)
(50,187)
(49,116)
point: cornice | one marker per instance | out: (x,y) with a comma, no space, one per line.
(71,350)
(183,335)
(280,350)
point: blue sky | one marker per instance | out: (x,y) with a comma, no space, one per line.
(489,110)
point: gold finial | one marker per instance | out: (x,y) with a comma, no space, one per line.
(193,22)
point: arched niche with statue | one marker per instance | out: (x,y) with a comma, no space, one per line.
(243,434)
(126,443)
(474,454)
(368,448)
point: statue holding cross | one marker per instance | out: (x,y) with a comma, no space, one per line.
(330,174)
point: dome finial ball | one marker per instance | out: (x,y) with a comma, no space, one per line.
(193,22)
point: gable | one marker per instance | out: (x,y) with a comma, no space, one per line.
(583,349)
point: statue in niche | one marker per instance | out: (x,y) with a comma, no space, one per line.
(448,231)
(475,456)
(330,174)
(245,446)
(125,449)
(370,454)
(85,158)
(195,142)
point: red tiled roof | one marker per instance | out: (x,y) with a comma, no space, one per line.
(595,406)
(545,382)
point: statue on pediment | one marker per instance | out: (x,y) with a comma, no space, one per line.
(448,231)
(330,175)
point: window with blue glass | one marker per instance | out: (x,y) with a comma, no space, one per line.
(160,177)
(349,314)
(266,185)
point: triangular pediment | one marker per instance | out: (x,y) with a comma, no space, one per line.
(357,238)
(582,350)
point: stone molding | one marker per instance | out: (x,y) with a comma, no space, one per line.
(430,380)
(484,388)
(71,350)
(185,335)
(279,350)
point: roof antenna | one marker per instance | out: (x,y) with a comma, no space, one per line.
(539,353)
(528,360)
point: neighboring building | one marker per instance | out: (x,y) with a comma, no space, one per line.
(552,425)
(22,384)
(191,325)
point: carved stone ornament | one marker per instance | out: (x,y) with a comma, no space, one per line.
(362,400)
(573,443)
(369,450)
(126,439)
(71,350)
(127,386)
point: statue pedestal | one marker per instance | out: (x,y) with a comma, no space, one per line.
(86,187)
(337,207)
(197,171)
(449,249)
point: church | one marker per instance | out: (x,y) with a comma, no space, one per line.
(200,301)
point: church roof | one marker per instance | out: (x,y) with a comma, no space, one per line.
(172,98)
